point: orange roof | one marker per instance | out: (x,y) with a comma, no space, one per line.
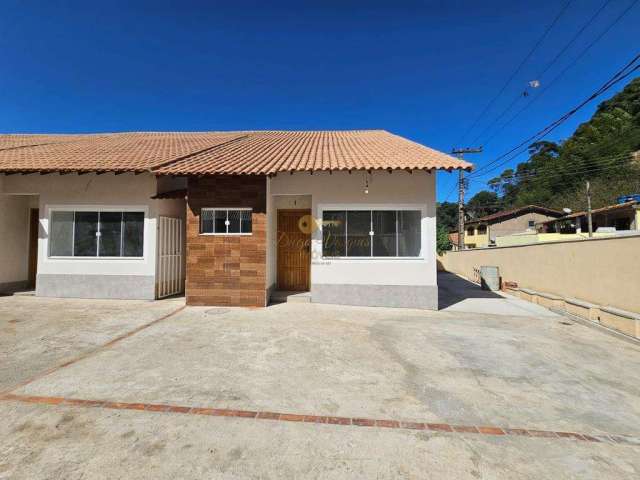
(515,212)
(112,152)
(206,153)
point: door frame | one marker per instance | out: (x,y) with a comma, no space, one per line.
(32,253)
(306,211)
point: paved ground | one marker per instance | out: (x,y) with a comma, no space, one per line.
(512,370)
(459,295)
(38,333)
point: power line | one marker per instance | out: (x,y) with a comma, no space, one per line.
(582,53)
(574,38)
(517,70)
(572,167)
(545,69)
(618,77)
(543,176)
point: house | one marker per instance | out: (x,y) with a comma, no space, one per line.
(225,217)
(483,231)
(623,216)
(453,240)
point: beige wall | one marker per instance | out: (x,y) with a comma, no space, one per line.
(516,225)
(96,190)
(600,271)
(401,189)
(14,240)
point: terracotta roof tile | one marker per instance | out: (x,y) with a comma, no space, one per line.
(205,153)
(515,211)
(281,151)
(103,152)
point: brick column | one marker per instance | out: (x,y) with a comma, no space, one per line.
(227,270)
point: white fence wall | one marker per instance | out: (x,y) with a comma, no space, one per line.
(170,273)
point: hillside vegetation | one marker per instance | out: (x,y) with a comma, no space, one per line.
(555,174)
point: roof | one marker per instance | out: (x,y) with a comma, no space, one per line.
(514,212)
(207,153)
(117,152)
(606,209)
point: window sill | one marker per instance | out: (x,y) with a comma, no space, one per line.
(373,258)
(225,234)
(95,258)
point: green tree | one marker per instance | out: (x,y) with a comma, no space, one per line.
(483,203)
(447,215)
(599,150)
(442,239)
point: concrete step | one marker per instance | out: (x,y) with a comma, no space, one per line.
(290,297)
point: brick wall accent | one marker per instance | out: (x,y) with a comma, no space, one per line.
(227,269)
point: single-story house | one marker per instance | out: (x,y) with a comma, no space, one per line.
(623,216)
(225,217)
(483,231)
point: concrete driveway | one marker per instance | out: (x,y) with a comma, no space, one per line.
(320,391)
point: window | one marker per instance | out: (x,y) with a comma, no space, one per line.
(96,234)
(482,229)
(225,221)
(532,223)
(371,233)
(471,231)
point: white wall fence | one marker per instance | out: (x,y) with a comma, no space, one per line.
(170,273)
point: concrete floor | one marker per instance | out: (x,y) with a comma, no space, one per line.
(456,294)
(513,369)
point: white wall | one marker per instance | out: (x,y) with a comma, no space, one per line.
(106,190)
(401,189)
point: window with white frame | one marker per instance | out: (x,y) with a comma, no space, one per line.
(225,221)
(96,233)
(371,233)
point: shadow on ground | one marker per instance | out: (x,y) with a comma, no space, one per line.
(453,289)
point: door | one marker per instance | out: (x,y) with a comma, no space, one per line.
(34,224)
(169,275)
(294,249)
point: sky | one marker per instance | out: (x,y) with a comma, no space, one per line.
(423,70)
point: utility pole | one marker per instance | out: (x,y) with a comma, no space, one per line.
(589,222)
(460,154)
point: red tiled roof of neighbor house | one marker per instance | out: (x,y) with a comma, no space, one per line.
(515,211)
(208,153)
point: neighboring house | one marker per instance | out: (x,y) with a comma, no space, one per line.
(230,217)
(483,231)
(453,239)
(624,216)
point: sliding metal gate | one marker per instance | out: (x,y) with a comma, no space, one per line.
(170,274)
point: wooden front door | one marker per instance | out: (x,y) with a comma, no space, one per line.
(34,224)
(294,249)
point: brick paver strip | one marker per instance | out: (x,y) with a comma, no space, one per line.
(345,421)
(99,348)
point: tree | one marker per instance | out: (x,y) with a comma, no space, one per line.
(447,215)
(483,203)
(442,239)
(599,151)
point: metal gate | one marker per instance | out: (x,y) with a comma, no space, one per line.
(170,276)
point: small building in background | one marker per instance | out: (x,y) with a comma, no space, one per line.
(622,217)
(483,231)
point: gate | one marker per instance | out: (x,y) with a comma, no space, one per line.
(170,277)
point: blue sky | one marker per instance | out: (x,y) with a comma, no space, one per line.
(423,70)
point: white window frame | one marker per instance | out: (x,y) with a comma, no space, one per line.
(227,233)
(98,208)
(372,207)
